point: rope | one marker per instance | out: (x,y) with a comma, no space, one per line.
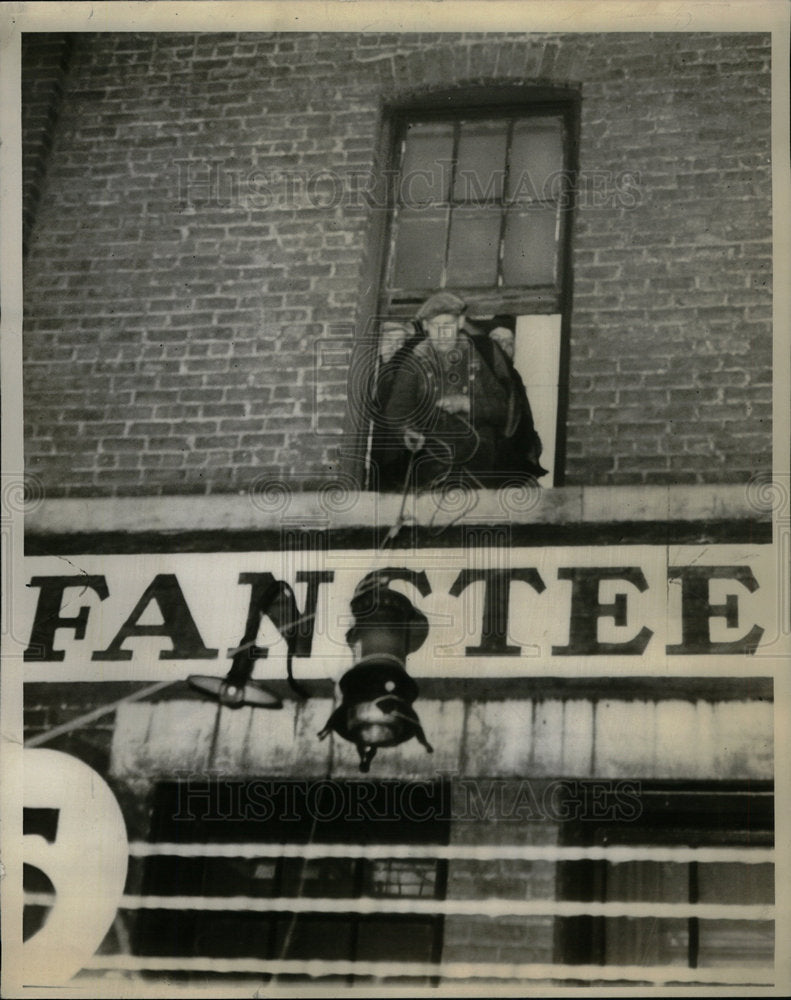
(736,975)
(292,924)
(444,482)
(96,713)
(505,852)
(302,879)
(400,520)
(391,534)
(494,907)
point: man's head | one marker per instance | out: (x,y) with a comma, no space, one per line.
(394,335)
(442,316)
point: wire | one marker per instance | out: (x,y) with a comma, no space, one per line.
(493,907)
(315,968)
(459,852)
(300,886)
(96,713)
(302,878)
(400,518)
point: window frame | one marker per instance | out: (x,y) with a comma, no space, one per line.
(692,814)
(516,300)
(373,305)
(220,824)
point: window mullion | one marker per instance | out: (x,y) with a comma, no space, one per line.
(504,202)
(393,235)
(358,884)
(693,923)
(277,890)
(450,200)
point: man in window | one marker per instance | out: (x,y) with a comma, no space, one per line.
(454,401)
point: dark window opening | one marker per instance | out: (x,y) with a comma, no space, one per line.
(690,817)
(296,812)
(481,199)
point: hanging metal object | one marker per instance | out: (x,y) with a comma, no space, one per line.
(377,693)
(237,688)
(235,695)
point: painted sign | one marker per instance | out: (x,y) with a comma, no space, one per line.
(491,612)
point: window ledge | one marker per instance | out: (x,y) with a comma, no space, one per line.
(343,510)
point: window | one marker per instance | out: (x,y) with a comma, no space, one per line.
(693,817)
(479,209)
(296,813)
(481,205)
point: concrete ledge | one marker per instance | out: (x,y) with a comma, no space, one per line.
(539,738)
(346,509)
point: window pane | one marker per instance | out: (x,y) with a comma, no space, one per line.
(647,881)
(220,935)
(480,165)
(649,941)
(426,168)
(666,941)
(409,939)
(530,252)
(318,877)
(313,937)
(420,248)
(392,877)
(734,883)
(736,942)
(474,246)
(536,159)
(645,941)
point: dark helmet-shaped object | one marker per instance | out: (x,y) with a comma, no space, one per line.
(376,710)
(377,693)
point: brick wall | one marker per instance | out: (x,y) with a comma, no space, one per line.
(182,269)
(671,350)
(53,705)
(45,63)
(492,816)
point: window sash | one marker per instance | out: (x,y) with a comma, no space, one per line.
(275,935)
(693,816)
(441,214)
